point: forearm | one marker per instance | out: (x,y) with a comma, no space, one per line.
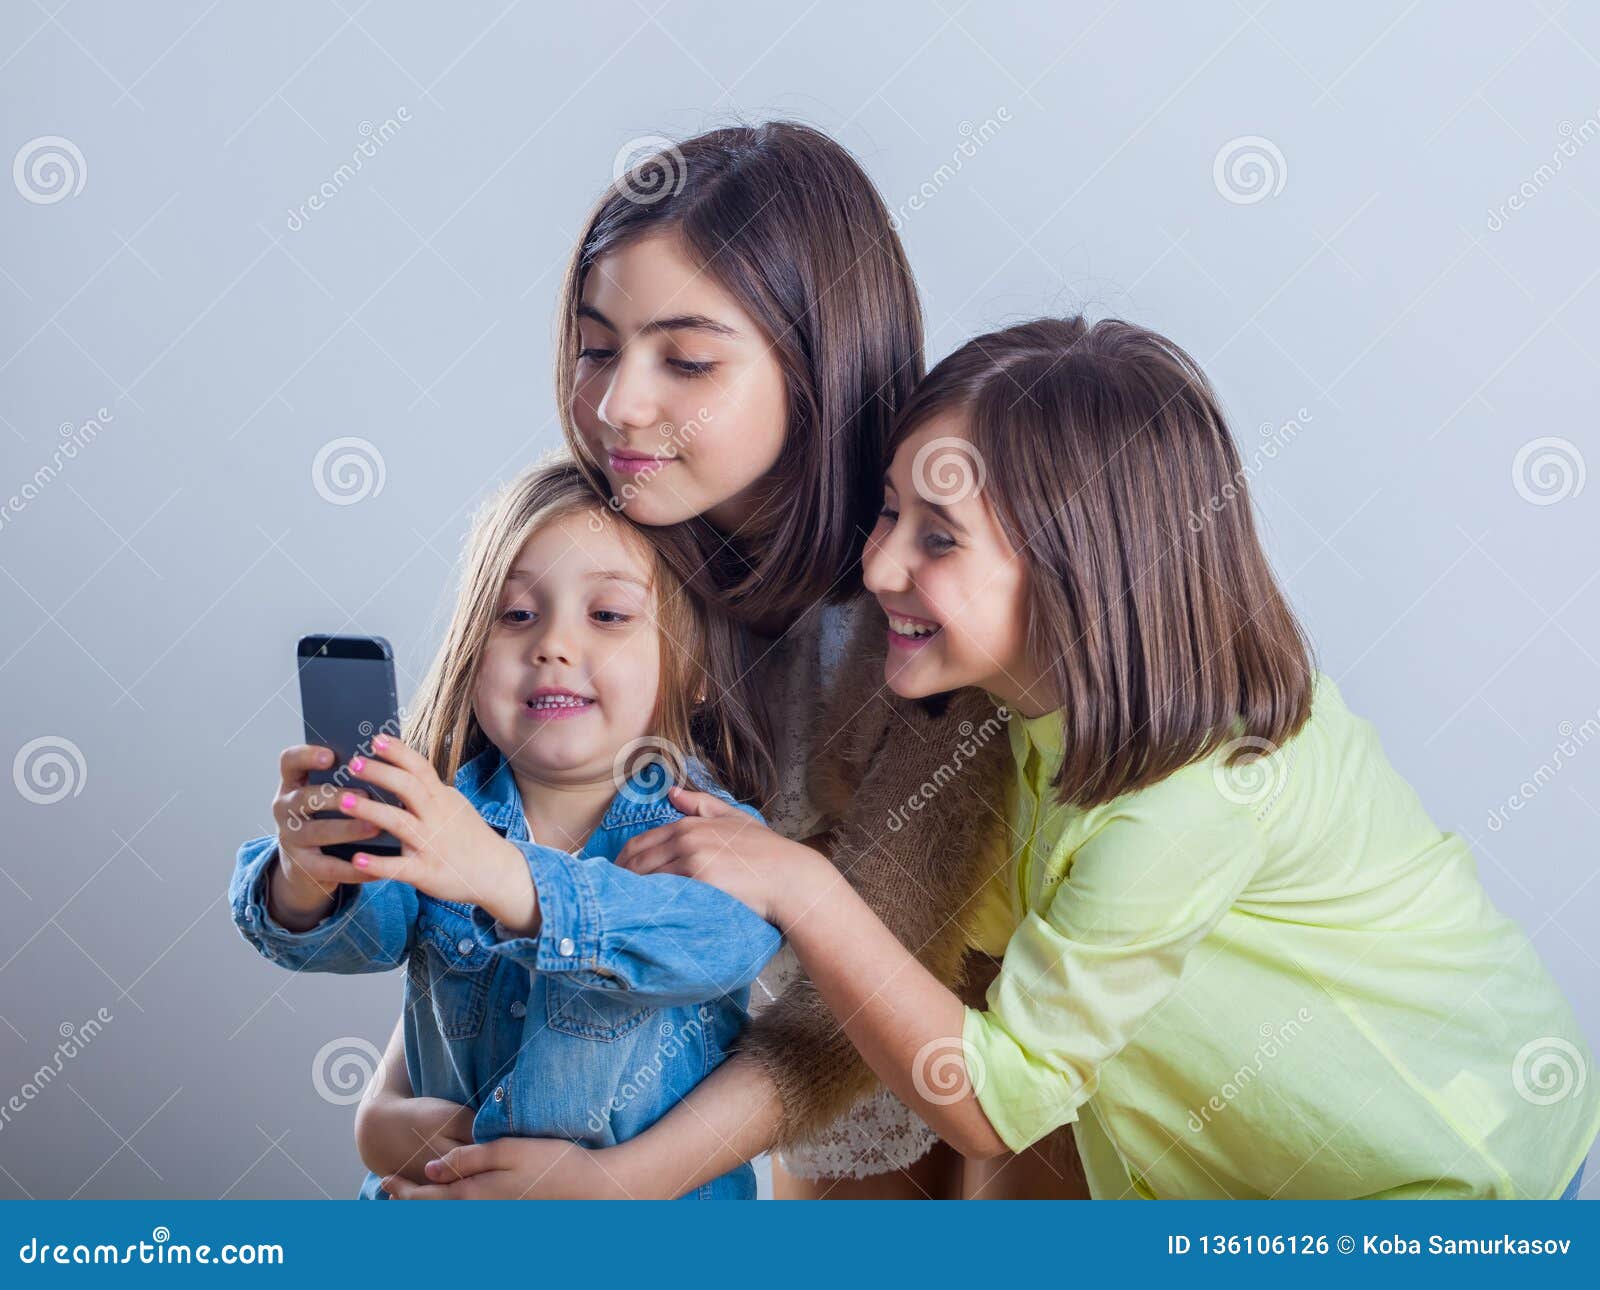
(664,940)
(397,1133)
(513,899)
(376,1117)
(731,1117)
(295,906)
(904,1022)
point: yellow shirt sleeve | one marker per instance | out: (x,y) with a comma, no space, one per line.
(1140,885)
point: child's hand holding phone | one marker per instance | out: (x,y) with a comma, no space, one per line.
(305,881)
(447,850)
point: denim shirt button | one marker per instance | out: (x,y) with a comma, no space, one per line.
(464,946)
(500,1093)
(519,1009)
(566,947)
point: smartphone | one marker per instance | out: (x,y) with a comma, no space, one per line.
(347,695)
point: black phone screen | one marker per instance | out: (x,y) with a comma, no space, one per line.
(347,695)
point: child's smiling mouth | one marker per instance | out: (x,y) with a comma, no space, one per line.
(909,633)
(552,703)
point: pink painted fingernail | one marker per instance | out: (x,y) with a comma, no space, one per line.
(382,741)
(362,860)
(347,802)
(356,763)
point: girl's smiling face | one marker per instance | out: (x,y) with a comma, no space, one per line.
(572,667)
(953,588)
(678,396)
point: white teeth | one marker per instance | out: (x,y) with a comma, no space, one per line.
(558,701)
(909,626)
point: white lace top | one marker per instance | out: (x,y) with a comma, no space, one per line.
(879,1133)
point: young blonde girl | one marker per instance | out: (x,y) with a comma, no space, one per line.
(1239,959)
(548,992)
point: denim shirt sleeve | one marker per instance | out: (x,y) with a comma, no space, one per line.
(665,940)
(370,928)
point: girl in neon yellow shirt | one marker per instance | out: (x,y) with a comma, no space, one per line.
(1238,956)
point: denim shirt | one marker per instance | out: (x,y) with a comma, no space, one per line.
(631,993)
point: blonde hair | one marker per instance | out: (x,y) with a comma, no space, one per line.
(695,709)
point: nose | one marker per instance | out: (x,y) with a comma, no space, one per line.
(883,572)
(551,642)
(630,401)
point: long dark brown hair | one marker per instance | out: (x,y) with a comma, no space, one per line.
(786,221)
(1111,470)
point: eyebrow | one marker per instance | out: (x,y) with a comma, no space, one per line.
(678,322)
(602,575)
(936,507)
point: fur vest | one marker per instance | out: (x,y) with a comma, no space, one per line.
(913,795)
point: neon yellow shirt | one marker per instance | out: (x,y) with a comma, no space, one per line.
(1278,979)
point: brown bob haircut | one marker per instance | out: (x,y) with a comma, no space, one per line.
(1163,629)
(785,220)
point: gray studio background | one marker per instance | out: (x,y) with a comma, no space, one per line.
(1375,226)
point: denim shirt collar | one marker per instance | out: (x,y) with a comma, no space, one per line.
(487,782)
